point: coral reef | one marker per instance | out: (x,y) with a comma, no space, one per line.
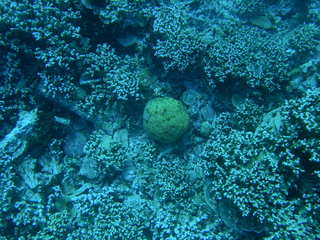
(268,175)
(193,119)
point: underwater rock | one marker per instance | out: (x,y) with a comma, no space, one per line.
(74,144)
(205,129)
(121,136)
(89,168)
(16,142)
(262,22)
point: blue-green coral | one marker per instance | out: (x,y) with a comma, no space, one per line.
(86,69)
(268,176)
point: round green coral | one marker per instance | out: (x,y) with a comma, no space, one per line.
(165,119)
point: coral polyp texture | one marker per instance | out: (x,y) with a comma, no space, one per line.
(151,120)
(165,119)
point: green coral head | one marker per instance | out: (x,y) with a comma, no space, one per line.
(165,119)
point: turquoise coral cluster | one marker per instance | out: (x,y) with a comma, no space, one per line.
(268,176)
(193,119)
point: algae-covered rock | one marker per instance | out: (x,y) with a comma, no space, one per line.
(165,119)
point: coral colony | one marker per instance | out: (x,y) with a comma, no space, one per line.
(159,119)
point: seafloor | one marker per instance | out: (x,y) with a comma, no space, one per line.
(158,119)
